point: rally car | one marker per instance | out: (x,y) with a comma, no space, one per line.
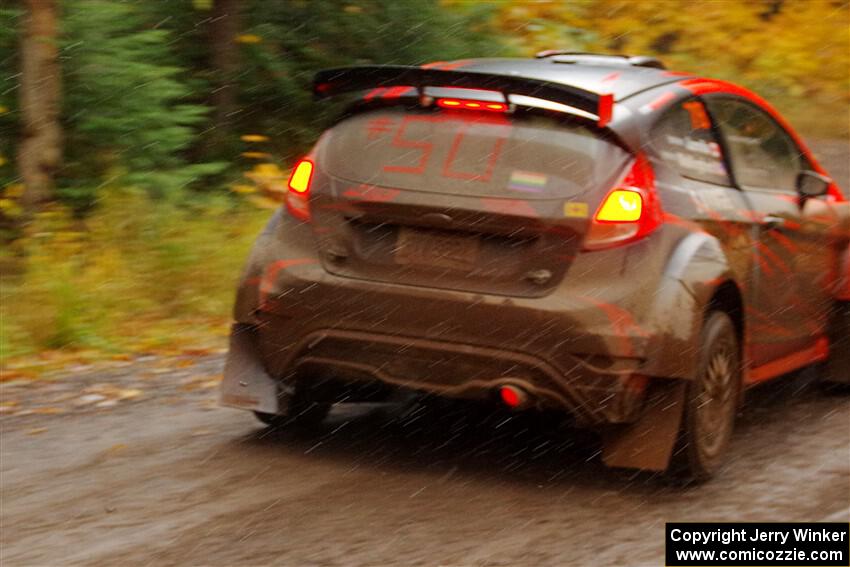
(590,233)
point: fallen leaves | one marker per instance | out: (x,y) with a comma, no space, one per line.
(9,375)
(101,394)
(129,394)
(198,351)
(89,399)
(191,375)
(39,410)
(201,383)
(189,338)
(47,411)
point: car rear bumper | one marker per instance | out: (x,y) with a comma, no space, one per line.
(589,359)
(469,371)
(592,395)
(589,347)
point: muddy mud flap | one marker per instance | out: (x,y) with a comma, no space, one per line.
(246,385)
(648,443)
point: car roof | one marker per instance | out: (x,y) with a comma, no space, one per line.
(608,75)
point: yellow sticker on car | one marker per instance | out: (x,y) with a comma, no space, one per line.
(575,210)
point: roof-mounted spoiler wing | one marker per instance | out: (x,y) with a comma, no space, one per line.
(331,82)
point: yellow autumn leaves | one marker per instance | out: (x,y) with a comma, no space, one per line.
(796,53)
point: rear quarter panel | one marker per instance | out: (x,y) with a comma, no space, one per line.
(708,242)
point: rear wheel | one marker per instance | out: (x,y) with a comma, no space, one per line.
(300,407)
(835,374)
(710,402)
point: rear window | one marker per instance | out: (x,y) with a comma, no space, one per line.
(686,141)
(486,154)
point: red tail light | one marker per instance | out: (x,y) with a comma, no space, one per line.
(297,198)
(456,103)
(629,212)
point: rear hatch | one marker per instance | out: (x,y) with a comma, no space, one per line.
(475,201)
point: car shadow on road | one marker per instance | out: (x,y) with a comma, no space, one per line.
(463,438)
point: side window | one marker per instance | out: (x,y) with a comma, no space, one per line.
(684,139)
(763,155)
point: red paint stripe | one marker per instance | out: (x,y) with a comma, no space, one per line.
(271,271)
(784,241)
(446,65)
(395,92)
(816,353)
(622,323)
(792,225)
(773,257)
(763,265)
(605,109)
(728,226)
(661,100)
(670,218)
(374,93)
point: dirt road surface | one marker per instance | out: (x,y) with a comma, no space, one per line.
(135,465)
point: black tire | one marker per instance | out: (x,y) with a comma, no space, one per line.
(300,408)
(835,374)
(711,401)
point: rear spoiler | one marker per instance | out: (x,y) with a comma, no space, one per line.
(331,82)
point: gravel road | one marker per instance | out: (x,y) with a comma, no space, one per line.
(135,465)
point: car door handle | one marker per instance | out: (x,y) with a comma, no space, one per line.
(771,222)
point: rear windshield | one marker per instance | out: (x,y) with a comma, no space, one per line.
(486,154)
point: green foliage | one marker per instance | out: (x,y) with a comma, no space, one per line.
(283,48)
(9,19)
(138,260)
(124,104)
(133,275)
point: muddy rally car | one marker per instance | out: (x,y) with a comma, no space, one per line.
(586,233)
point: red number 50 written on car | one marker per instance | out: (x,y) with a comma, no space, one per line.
(426,148)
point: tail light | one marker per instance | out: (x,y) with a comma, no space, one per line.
(629,212)
(298,196)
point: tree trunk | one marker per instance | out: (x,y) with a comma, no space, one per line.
(224,27)
(40,148)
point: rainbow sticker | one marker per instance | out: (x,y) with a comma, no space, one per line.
(527,182)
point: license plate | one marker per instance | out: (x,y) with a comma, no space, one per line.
(434,249)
